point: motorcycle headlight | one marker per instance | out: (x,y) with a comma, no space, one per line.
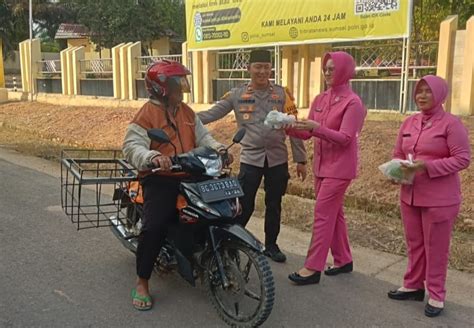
(213,165)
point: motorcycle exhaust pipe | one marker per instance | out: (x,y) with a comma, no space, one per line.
(128,240)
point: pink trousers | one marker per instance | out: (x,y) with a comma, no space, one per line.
(329,228)
(428,233)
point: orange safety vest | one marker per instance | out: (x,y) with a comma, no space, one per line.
(179,127)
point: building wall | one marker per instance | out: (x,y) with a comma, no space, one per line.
(89,48)
(160,47)
(80,43)
(12,64)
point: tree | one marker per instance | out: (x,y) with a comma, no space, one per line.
(114,22)
(172,13)
(428,15)
(14,26)
(464,9)
(49,15)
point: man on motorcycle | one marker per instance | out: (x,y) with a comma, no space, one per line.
(165,81)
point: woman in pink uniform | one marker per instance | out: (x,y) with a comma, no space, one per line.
(335,120)
(439,143)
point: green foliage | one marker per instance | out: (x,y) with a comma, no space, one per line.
(50,46)
(13,25)
(114,22)
(48,16)
(14,18)
(428,15)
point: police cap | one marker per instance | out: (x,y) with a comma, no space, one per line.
(260,56)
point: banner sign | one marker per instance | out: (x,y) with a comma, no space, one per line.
(221,24)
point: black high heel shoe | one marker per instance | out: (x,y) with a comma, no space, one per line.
(432,311)
(346,268)
(417,295)
(300,280)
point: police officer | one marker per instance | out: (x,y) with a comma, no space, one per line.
(264,152)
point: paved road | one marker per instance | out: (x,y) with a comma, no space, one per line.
(54,276)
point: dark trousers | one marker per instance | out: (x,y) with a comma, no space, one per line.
(159,211)
(275,183)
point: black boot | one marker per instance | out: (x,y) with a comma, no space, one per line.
(274,252)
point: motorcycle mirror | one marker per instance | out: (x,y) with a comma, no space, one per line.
(158,135)
(239,135)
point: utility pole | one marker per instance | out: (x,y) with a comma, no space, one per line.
(31,49)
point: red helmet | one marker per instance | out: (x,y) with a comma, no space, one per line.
(164,76)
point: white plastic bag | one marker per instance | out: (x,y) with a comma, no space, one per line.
(276,119)
(392,170)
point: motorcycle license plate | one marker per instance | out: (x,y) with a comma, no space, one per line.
(215,190)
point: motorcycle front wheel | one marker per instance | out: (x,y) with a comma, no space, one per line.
(248,299)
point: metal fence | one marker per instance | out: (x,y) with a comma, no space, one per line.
(96,68)
(233,65)
(49,76)
(97,77)
(145,61)
(13,82)
(379,73)
(386,71)
(49,68)
(232,69)
(375,60)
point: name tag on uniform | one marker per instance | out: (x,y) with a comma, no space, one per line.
(319,110)
(246,101)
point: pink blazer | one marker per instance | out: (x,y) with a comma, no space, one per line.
(341,115)
(443,144)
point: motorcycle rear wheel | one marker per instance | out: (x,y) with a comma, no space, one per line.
(248,300)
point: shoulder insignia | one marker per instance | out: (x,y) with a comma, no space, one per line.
(288,92)
(290,106)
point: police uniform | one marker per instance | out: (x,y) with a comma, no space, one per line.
(263,149)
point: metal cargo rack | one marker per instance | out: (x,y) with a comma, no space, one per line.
(94,186)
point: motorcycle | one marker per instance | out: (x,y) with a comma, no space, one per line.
(205,242)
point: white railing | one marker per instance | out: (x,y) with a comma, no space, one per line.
(49,67)
(145,61)
(96,68)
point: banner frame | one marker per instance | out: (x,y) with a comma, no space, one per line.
(315,41)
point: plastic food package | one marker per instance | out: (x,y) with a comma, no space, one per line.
(276,119)
(392,170)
